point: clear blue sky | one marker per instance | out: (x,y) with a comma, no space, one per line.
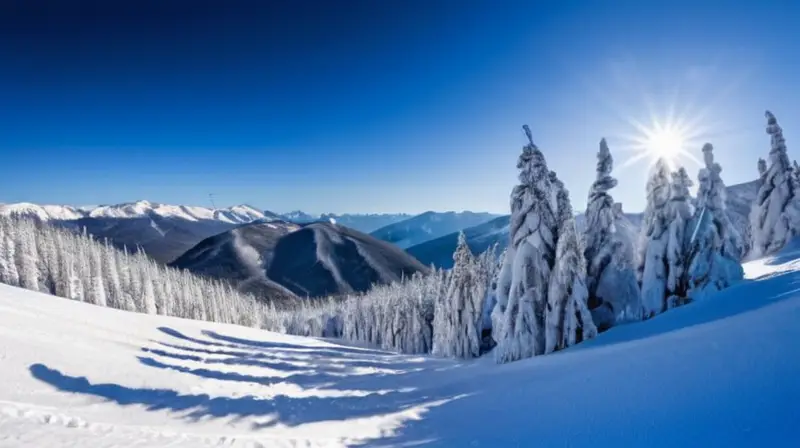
(373,106)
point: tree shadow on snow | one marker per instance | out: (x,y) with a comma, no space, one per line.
(284,383)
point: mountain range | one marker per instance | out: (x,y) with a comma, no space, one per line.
(428,226)
(166,232)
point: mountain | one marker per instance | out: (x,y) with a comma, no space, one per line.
(429,225)
(314,260)
(240,255)
(439,251)
(362,222)
(718,372)
(162,231)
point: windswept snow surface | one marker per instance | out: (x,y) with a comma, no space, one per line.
(723,372)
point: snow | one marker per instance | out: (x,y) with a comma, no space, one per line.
(238,214)
(43,212)
(717,372)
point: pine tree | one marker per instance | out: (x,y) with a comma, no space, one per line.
(27,258)
(97,292)
(775,215)
(522,293)
(611,277)
(568,319)
(8,258)
(653,261)
(679,214)
(762,170)
(457,322)
(716,246)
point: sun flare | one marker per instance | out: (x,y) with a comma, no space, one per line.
(665,143)
(671,142)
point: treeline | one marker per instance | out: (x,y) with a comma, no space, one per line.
(40,257)
(398,317)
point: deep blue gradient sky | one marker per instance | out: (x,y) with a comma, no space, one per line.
(374,106)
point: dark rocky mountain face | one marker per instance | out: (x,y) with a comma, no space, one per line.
(315,260)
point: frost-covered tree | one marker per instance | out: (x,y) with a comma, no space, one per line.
(762,169)
(653,262)
(775,215)
(611,276)
(522,292)
(716,246)
(27,257)
(678,232)
(568,320)
(457,322)
(8,265)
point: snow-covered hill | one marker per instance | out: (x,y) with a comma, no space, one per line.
(428,226)
(721,372)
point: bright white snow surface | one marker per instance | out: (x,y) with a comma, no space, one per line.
(723,372)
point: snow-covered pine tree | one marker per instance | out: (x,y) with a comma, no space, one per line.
(679,215)
(568,320)
(457,324)
(614,295)
(97,292)
(716,246)
(762,170)
(8,265)
(27,257)
(775,215)
(522,293)
(653,263)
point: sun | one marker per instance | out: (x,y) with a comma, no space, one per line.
(666,143)
(671,141)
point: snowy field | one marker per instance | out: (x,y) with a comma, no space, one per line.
(721,373)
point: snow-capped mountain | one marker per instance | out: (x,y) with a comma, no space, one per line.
(42,212)
(363,222)
(238,214)
(315,260)
(429,225)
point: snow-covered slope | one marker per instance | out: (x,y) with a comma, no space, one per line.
(722,372)
(428,226)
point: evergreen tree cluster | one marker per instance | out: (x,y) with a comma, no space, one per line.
(43,258)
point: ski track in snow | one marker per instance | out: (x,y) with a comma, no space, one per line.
(721,372)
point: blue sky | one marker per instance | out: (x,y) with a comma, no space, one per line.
(368,106)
